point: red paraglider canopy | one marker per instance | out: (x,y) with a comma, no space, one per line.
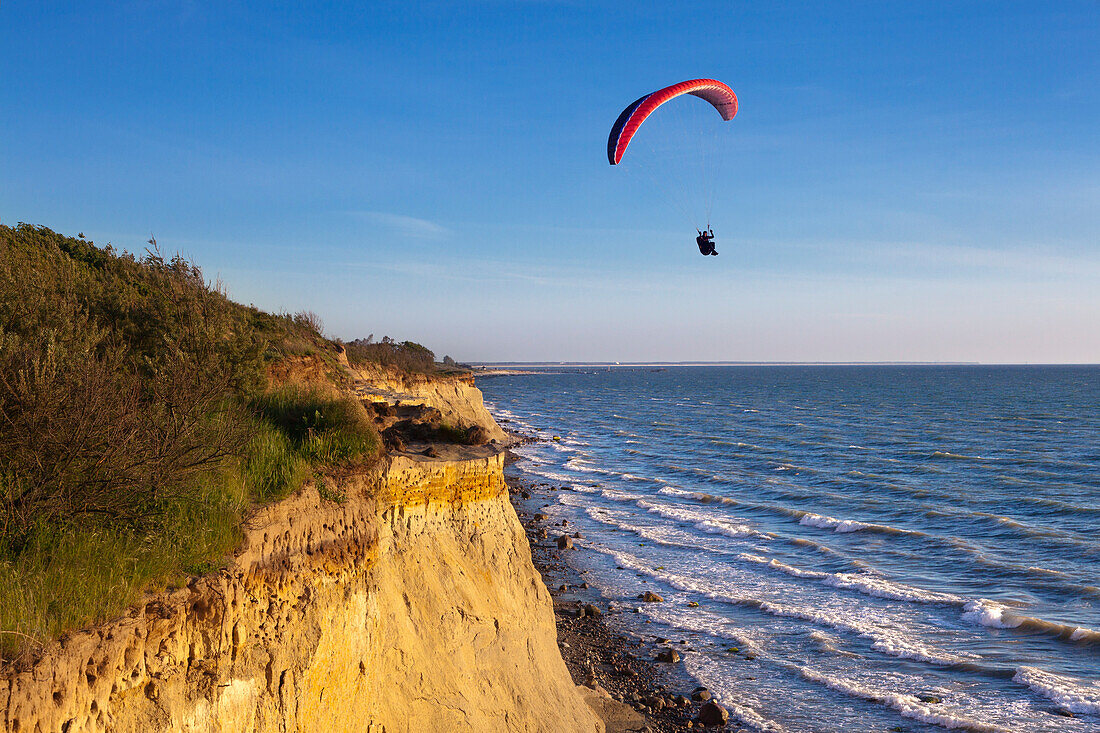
(712,90)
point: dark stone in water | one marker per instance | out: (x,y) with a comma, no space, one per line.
(701,694)
(713,714)
(565,542)
(668,655)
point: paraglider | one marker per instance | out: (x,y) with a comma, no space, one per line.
(705,240)
(718,94)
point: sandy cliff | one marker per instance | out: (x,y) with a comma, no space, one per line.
(455,396)
(412,605)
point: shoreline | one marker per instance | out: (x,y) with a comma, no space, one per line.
(598,654)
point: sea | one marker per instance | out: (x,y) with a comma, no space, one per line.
(839,548)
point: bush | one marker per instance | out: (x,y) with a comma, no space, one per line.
(137,428)
(405,356)
(117,382)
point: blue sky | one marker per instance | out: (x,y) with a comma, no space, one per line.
(904,181)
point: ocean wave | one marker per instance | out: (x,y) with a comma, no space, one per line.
(1072,694)
(697,496)
(617,495)
(996,615)
(879,587)
(701,621)
(580,463)
(667,536)
(869,584)
(554,476)
(887,640)
(909,706)
(941,454)
(840,525)
(783,567)
(701,520)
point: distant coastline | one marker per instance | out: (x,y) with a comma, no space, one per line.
(495,366)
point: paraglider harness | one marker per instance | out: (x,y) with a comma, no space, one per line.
(705,240)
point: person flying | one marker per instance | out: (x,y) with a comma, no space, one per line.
(705,240)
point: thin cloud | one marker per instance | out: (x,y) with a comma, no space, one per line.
(407,226)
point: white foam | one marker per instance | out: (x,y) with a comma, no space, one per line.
(998,616)
(1082,634)
(552,475)
(668,536)
(617,495)
(989,613)
(578,463)
(783,567)
(840,525)
(697,496)
(908,706)
(879,587)
(751,718)
(1071,693)
(884,637)
(955,456)
(706,521)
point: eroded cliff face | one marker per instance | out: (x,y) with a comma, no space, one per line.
(410,606)
(455,396)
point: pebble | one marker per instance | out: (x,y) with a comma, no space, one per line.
(701,694)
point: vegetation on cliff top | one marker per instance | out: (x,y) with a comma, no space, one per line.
(138,426)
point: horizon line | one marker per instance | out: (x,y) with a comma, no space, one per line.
(489,364)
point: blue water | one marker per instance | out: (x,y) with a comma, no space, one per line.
(887,548)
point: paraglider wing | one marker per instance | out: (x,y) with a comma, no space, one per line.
(718,94)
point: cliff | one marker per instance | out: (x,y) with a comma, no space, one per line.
(454,395)
(411,604)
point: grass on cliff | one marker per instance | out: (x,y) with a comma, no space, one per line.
(300,429)
(138,427)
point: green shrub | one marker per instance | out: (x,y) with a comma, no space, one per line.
(404,356)
(136,427)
